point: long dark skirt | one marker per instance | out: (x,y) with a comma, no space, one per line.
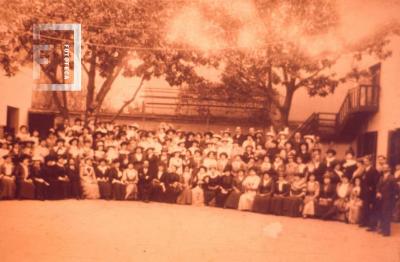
(292,206)
(277,205)
(220,198)
(322,208)
(171,194)
(41,190)
(7,188)
(55,189)
(145,191)
(157,193)
(396,212)
(185,197)
(26,190)
(65,190)
(232,200)
(209,197)
(118,191)
(262,204)
(75,189)
(105,189)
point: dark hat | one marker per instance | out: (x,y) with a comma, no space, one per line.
(350,151)
(60,140)
(228,168)
(50,157)
(171,130)
(223,153)
(208,133)
(73,139)
(331,151)
(328,175)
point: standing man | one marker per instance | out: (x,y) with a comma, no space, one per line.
(387,192)
(369,182)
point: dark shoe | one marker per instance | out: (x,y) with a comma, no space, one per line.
(371,229)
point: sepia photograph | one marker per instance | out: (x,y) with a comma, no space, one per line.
(200,130)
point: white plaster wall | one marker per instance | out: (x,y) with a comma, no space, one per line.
(17,92)
(388,117)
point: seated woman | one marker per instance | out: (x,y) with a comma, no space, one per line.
(237,164)
(233,199)
(211,160)
(158,184)
(115,176)
(250,185)
(37,174)
(176,161)
(291,168)
(7,178)
(262,201)
(130,177)
(312,193)
(211,186)
(225,187)
(340,206)
(265,165)
(186,180)
(74,179)
(327,196)
(197,191)
(282,190)
(90,188)
(103,179)
(172,184)
(355,204)
(63,183)
(25,186)
(292,204)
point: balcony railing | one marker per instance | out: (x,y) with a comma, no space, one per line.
(364,98)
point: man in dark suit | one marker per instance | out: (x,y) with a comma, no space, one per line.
(239,137)
(386,194)
(319,166)
(158,184)
(24,181)
(369,180)
(145,178)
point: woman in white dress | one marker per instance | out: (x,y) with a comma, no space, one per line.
(197,191)
(250,184)
(131,178)
(7,178)
(90,188)
(177,162)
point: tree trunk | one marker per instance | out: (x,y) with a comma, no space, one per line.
(91,85)
(128,102)
(287,104)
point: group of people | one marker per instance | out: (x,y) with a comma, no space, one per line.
(266,172)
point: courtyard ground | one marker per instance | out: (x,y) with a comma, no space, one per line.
(87,230)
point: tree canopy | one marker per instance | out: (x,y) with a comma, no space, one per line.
(265,50)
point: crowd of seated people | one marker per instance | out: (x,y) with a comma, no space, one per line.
(263,172)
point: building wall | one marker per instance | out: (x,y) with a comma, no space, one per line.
(388,117)
(16,92)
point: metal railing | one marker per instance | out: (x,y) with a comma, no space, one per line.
(364,98)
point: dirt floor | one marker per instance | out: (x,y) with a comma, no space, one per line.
(87,230)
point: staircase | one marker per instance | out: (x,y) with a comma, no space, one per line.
(360,103)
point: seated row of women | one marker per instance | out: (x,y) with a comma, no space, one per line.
(270,193)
